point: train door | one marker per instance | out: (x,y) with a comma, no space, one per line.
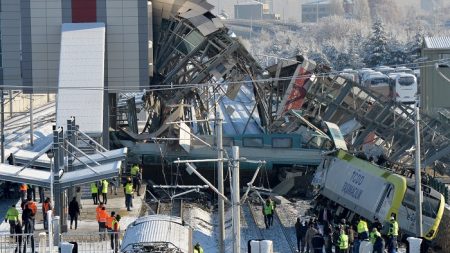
(385,203)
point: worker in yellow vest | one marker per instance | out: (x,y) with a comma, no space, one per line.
(343,242)
(134,170)
(268,212)
(94,192)
(392,235)
(128,194)
(105,190)
(373,235)
(362,229)
(115,235)
(12,215)
(198,248)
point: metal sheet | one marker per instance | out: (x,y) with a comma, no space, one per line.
(29,176)
(157,229)
(437,42)
(81,76)
(85,176)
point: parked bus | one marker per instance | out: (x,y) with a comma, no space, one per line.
(377,82)
(403,87)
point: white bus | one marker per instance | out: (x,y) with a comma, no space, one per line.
(403,87)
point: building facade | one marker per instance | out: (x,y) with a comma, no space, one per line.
(31,36)
(312,11)
(435,89)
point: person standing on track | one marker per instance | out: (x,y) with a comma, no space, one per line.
(94,192)
(105,190)
(300,232)
(74,212)
(12,215)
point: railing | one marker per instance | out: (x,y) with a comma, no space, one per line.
(23,243)
(94,242)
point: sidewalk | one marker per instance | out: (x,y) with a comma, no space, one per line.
(87,221)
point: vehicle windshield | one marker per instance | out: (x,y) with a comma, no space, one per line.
(430,205)
(406,80)
(378,81)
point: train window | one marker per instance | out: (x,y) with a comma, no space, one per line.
(285,142)
(430,206)
(255,142)
(227,141)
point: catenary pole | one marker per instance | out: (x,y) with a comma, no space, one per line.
(236,204)
(220,185)
(418,176)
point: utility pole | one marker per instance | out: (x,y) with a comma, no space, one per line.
(236,202)
(220,185)
(418,176)
(31,120)
(2,112)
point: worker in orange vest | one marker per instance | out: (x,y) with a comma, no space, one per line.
(46,206)
(23,192)
(109,227)
(97,211)
(115,235)
(30,204)
(102,217)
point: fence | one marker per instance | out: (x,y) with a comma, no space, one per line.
(95,242)
(23,243)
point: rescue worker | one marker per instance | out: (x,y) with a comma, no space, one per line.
(30,204)
(46,206)
(378,246)
(12,216)
(392,235)
(198,248)
(102,217)
(137,182)
(128,194)
(300,232)
(267,212)
(343,242)
(134,170)
(74,212)
(105,190)
(94,192)
(97,212)
(28,224)
(23,192)
(373,235)
(362,229)
(116,229)
(109,227)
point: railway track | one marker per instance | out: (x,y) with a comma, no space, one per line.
(277,233)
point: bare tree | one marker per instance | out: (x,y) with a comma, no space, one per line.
(361,10)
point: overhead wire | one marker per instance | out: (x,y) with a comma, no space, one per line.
(166,87)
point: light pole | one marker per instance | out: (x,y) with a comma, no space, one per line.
(50,155)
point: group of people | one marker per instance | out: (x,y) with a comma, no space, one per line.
(314,236)
(108,224)
(132,184)
(101,189)
(23,227)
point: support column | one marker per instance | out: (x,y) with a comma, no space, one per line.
(236,204)
(31,121)
(220,185)
(2,112)
(418,176)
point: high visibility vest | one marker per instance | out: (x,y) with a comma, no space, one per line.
(198,250)
(362,227)
(105,186)
(46,206)
(98,209)
(129,188)
(373,236)
(393,228)
(102,216)
(32,206)
(343,241)
(94,188)
(134,170)
(109,221)
(115,225)
(23,187)
(12,214)
(268,209)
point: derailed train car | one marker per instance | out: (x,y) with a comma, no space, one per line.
(371,191)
